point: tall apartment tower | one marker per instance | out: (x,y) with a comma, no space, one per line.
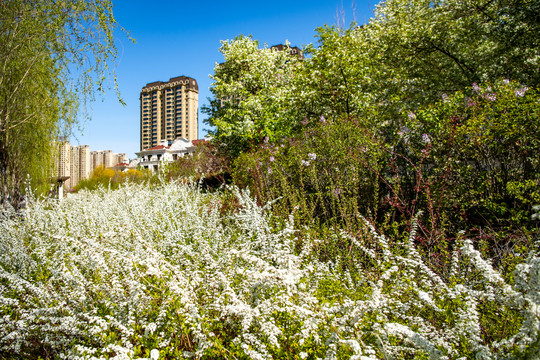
(75,173)
(63,161)
(169,110)
(85,167)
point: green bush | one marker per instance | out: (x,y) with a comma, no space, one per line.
(108,177)
(205,166)
(329,173)
(471,161)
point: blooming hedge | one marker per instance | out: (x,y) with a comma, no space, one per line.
(170,272)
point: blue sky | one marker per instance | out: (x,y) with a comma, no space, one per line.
(176,38)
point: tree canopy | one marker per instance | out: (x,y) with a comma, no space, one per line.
(408,55)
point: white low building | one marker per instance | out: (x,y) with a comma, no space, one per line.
(167,151)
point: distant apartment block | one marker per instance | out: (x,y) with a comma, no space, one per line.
(169,110)
(62,162)
(78,162)
(293,50)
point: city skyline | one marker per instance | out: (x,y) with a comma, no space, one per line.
(183,39)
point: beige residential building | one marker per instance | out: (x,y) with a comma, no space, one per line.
(97,159)
(78,162)
(75,175)
(72,162)
(85,164)
(105,158)
(121,158)
(169,110)
(108,159)
(63,162)
(293,50)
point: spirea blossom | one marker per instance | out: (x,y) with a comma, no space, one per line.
(142,263)
(154,354)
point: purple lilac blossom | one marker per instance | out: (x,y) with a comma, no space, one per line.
(521,92)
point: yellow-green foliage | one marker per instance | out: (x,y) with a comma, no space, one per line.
(108,177)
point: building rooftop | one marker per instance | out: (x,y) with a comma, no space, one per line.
(190,82)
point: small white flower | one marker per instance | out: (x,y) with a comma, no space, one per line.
(154,354)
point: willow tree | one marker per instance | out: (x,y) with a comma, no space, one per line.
(54,57)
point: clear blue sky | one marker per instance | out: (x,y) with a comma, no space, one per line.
(176,38)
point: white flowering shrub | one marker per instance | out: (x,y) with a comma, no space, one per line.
(166,273)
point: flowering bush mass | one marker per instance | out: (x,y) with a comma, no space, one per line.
(170,272)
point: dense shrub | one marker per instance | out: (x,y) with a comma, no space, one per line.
(470,162)
(108,177)
(329,173)
(478,153)
(159,271)
(204,166)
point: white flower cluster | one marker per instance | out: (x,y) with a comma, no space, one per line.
(108,274)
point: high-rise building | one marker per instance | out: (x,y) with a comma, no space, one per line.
(85,163)
(293,50)
(108,160)
(169,110)
(75,173)
(97,159)
(121,158)
(78,162)
(63,162)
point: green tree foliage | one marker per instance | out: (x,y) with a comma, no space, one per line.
(53,56)
(404,58)
(430,47)
(251,92)
(472,160)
